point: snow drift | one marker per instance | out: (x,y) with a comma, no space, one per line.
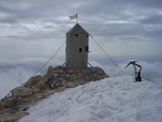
(117,99)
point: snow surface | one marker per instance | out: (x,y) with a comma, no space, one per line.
(116,99)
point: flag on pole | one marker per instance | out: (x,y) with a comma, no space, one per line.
(73,17)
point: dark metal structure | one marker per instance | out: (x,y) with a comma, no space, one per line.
(137,74)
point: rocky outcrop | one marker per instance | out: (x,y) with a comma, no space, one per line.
(14,106)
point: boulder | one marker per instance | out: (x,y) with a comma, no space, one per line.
(22,91)
(33,81)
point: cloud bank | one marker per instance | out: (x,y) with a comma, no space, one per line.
(12,75)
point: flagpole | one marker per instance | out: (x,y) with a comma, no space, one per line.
(77,17)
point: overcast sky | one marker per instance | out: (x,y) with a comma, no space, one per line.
(36,28)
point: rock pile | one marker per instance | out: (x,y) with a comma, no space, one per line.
(14,106)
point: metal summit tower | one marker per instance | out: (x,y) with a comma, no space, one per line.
(77,47)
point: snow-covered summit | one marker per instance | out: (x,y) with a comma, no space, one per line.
(116,99)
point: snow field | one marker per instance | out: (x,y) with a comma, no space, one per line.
(116,99)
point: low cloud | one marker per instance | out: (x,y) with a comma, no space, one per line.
(13,74)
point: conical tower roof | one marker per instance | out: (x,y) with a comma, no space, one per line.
(77,29)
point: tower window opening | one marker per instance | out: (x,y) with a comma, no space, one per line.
(86,48)
(80,50)
(76,35)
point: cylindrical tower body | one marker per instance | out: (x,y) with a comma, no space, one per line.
(77,47)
